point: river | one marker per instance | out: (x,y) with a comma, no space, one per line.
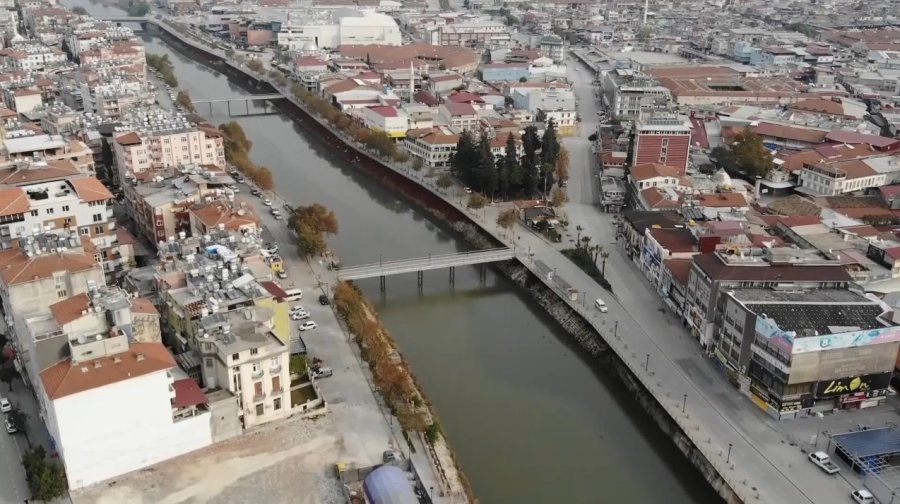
(531,417)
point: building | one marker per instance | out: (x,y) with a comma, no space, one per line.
(664,139)
(850,175)
(501,72)
(817,349)
(489,34)
(390,120)
(553,47)
(462,116)
(433,146)
(627,94)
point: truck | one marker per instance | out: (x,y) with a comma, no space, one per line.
(824,462)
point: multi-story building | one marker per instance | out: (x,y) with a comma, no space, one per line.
(553,47)
(489,34)
(628,95)
(459,115)
(815,349)
(847,176)
(161,139)
(25,147)
(100,353)
(391,120)
(663,139)
(433,146)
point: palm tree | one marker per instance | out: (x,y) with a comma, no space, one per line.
(578,229)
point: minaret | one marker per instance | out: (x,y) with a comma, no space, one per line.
(412,82)
(646,8)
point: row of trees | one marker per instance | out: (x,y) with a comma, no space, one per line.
(377,141)
(311,224)
(184,101)
(543,161)
(162,65)
(237,153)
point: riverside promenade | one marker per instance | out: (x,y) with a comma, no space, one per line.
(751,454)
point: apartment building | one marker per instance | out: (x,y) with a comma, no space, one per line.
(462,116)
(392,121)
(628,94)
(850,175)
(433,146)
(26,147)
(99,352)
(471,34)
(664,139)
(157,139)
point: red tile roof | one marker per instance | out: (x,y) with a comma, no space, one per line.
(13,201)
(70,309)
(674,240)
(650,170)
(90,189)
(460,109)
(852,137)
(384,111)
(187,393)
(680,268)
(67,378)
(129,139)
(143,305)
(790,132)
(274,289)
(18,268)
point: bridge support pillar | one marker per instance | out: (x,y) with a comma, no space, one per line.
(452,275)
(210,109)
(483,273)
(247,107)
(383,283)
(229,108)
(421,278)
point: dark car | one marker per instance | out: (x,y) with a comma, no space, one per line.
(323,300)
(255,192)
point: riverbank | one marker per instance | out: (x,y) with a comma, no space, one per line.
(397,177)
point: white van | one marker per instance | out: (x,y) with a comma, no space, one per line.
(293,295)
(600,305)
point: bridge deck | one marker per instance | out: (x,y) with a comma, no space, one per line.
(387,268)
(271,96)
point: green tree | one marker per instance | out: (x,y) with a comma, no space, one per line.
(184,101)
(46,478)
(8,374)
(750,155)
(444,181)
(466,158)
(507,219)
(255,65)
(418,164)
(558,197)
(550,144)
(476,201)
(530,142)
(485,179)
(235,139)
(510,177)
(312,223)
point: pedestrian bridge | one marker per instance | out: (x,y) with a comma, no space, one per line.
(432,262)
(124,19)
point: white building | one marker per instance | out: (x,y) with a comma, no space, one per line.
(370,28)
(385,118)
(341,27)
(549,99)
(115,412)
(433,146)
(841,177)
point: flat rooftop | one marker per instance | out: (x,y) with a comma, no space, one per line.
(813,312)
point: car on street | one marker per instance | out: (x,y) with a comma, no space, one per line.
(302,315)
(5,406)
(862,496)
(279,217)
(267,202)
(323,372)
(282,274)
(824,462)
(308,325)
(297,308)
(271,248)
(275,211)
(323,300)
(10,428)
(255,192)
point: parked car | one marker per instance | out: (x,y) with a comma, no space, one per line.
(300,315)
(323,300)
(5,406)
(297,308)
(10,428)
(323,372)
(267,202)
(255,192)
(292,295)
(388,456)
(862,496)
(308,325)
(281,274)
(824,462)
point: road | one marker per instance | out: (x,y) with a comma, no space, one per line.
(367,429)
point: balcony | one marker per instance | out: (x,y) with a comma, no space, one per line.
(258,396)
(275,370)
(257,374)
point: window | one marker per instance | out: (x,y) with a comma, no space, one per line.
(83,231)
(275,362)
(65,208)
(258,389)
(98,217)
(34,213)
(276,383)
(259,409)
(276,403)
(49,211)
(208,362)
(98,229)
(254,351)
(235,356)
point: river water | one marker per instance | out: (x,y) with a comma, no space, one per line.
(532,419)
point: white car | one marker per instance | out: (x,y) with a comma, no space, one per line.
(267,202)
(5,407)
(862,496)
(10,428)
(300,315)
(308,325)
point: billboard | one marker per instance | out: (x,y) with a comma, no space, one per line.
(791,344)
(842,362)
(832,388)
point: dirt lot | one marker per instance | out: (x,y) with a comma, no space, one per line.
(289,462)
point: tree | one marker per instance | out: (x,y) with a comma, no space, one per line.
(444,181)
(264,179)
(184,101)
(255,65)
(485,176)
(562,164)
(138,9)
(46,478)
(236,142)
(507,219)
(750,155)
(476,201)
(466,158)
(81,11)
(530,142)
(510,178)
(417,164)
(229,53)
(8,374)
(558,197)
(312,223)
(19,420)
(550,144)
(592,137)
(523,79)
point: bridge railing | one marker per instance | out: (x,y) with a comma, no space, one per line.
(430,257)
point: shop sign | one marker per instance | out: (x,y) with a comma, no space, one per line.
(831,388)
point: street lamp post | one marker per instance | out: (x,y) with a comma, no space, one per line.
(728,459)
(616,330)
(684,403)
(432,493)
(647,364)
